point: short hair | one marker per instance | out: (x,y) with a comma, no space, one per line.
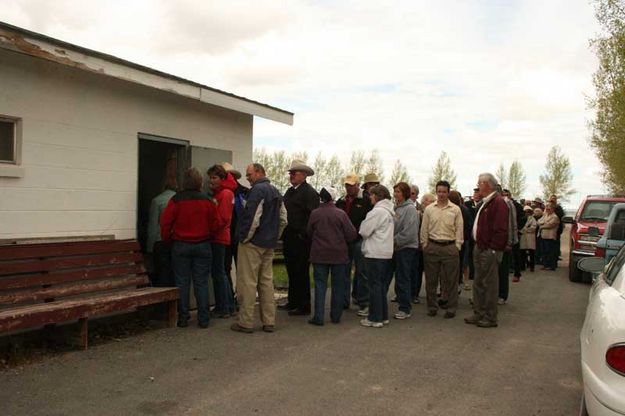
(428,196)
(192,180)
(488,177)
(415,188)
(443,183)
(380,192)
(507,191)
(455,197)
(258,168)
(404,188)
(217,170)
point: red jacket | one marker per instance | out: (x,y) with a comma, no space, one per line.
(190,216)
(492,225)
(225,203)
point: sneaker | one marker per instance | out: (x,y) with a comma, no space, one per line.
(368,323)
(363,311)
(416,301)
(386,322)
(501,301)
(486,324)
(401,315)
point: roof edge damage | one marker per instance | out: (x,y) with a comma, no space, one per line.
(35,44)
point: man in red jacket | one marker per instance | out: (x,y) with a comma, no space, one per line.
(190,219)
(490,233)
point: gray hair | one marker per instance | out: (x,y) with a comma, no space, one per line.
(415,188)
(488,177)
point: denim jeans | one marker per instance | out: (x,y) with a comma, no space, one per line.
(360,290)
(416,280)
(224,302)
(192,261)
(320,273)
(405,269)
(378,275)
(550,253)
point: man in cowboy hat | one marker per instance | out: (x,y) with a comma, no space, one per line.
(371,179)
(356,206)
(300,199)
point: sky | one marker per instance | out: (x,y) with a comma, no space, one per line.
(488,82)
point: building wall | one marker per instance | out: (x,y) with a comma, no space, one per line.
(79,146)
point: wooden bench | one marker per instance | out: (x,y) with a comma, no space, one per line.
(42,284)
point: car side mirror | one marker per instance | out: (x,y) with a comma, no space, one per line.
(593,231)
(568,220)
(592,265)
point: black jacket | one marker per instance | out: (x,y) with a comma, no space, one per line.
(299,204)
(360,207)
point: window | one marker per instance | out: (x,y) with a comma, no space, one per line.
(8,141)
(615,267)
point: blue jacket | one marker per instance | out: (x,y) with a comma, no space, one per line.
(264,217)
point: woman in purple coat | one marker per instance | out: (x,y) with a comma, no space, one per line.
(330,230)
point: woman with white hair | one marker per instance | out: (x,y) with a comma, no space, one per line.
(330,231)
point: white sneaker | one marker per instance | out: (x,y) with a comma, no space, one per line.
(364,312)
(401,315)
(368,323)
(501,301)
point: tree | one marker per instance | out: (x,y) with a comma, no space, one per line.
(321,175)
(608,127)
(303,156)
(442,171)
(399,174)
(335,173)
(502,176)
(374,165)
(558,177)
(357,163)
(276,169)
(516,180)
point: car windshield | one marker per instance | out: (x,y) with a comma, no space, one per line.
(597,211)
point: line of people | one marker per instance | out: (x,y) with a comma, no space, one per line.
(361,240)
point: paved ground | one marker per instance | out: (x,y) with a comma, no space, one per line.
(426,366)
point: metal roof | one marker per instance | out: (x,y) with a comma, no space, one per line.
(44,47)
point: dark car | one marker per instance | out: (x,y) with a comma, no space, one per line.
(588,225)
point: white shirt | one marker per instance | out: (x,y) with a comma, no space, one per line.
(477,217)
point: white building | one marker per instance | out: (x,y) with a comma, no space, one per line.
(85,137)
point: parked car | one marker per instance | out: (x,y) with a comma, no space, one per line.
(603,339)
(614,235)
(587,227)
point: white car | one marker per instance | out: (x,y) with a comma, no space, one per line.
(603,339)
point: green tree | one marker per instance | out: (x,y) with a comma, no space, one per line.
(558,178)
(374,165)
(442,171)
(516,180)
(334,173)
(321,174)
(357,163)
(502,176)
(608,126)
(399,174)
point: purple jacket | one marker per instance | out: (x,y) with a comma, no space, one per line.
(330,230)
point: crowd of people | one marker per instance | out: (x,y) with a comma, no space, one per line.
(362,240)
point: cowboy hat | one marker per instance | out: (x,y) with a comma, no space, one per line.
(351,179)
(229,168)
(371,178)
(299,166)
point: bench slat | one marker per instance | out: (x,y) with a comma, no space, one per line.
(40,279)
(62,311)
(68,262)
(77,288)
(33,251)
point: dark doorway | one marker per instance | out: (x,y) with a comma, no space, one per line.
(159,158)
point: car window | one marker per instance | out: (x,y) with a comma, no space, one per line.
(615,266)
(617,228)
(598,211)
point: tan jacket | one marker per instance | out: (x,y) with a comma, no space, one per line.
(528,235)
(548,225)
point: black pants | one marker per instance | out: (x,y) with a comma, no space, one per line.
(504,278)
(471,264)
(163,273)
(232,252)
(296,254)
(517,261)
(528,258)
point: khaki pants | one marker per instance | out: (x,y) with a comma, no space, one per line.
(486,283)
(255,274)
(441,264)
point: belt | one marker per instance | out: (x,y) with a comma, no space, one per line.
(442,242)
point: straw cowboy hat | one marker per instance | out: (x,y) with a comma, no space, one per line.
(299,166)
(351,179)
(229,168)
(370,178)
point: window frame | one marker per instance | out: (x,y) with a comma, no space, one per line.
(16,143)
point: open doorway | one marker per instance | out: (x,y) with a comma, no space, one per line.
(160,158)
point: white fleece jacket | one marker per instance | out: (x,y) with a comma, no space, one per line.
(377,231)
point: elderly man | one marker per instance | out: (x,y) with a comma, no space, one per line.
(260,224)
(356,206)
(441,239)
(414,196)
(490,232)
(300,200)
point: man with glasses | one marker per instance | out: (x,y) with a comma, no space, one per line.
(300,200)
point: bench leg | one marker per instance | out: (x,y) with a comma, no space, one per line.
(172,310)
(84,338)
